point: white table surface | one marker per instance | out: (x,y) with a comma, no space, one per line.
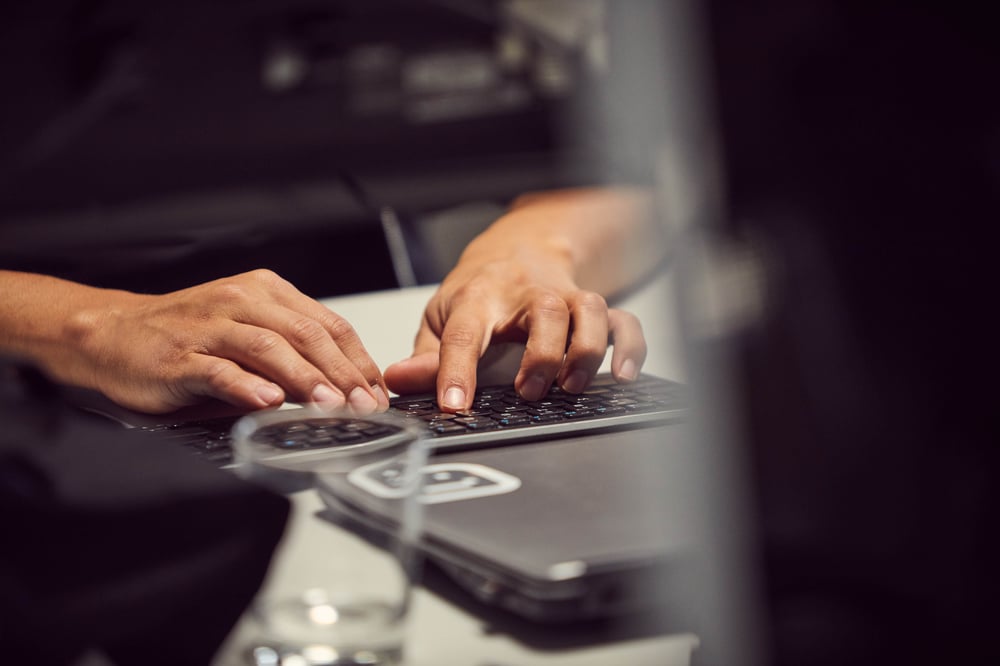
(441,632)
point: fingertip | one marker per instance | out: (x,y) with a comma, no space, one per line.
(381,397)
(628,371)
(269,395)
(453,399)
(326,396)
(534,387)
(629,343)
(576,381)
(361,401)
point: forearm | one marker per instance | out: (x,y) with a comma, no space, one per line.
(252,340)
(604,239)
(48,321)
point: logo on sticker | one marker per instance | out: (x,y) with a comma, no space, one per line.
(442,482)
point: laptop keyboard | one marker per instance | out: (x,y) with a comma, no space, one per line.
(497,415)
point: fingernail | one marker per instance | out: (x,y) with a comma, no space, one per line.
(454,398)
(381,397)
(628,370)
(576,382)
(269,394)
(362,401)
(325,395)
(534,388)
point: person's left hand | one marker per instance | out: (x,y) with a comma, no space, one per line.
(528,299)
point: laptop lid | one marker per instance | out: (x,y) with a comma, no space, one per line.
(554,530)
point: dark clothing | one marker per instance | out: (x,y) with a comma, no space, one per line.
(141,553)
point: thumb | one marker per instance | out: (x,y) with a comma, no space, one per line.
(417,374)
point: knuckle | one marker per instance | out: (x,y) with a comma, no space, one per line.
(306,332)
(470,292)
(343,374)
(589,300)
(263,342)
(230,292)
(265,276)
(459,337)
(339,328)
(549,304)
(218,375)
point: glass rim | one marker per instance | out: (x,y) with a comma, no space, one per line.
(249,452)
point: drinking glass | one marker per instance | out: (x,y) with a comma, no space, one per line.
(339,591)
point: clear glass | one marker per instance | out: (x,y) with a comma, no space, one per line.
(339,590)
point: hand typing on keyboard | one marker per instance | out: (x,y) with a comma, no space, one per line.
(251,340)
(539,276)
(496,416)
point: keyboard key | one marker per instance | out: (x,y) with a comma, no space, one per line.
(494,409)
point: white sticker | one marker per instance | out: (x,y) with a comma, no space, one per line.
(442,482)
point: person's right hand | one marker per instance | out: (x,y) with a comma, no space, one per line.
(252,340)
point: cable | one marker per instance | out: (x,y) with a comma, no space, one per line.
(392,231)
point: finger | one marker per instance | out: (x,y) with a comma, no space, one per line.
(266,352)
(339,353)
(300,331)
(588,341)
(463,341)
(350,345)
(547,323)
(629,353)
(211,376)
(318,342)
(416,374)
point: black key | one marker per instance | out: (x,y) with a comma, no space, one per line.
(549,403)
(484,424)
(475,412)
(212,445)
(511,409)
(468,421)
(448,427)
(519,419)
(545,412)
(609,411)
(620,402)
(419,404)
(440,416)
(378,431)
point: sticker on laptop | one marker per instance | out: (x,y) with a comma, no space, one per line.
(442,482)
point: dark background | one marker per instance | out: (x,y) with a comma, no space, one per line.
(142,147)
(862,153)
(150,145)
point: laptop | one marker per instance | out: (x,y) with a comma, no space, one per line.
(498,416)
(555,531)
(547,509)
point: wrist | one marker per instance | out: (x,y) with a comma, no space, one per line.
(74,351)
(522,252)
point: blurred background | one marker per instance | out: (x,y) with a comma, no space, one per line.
(832,173)
(156,145)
